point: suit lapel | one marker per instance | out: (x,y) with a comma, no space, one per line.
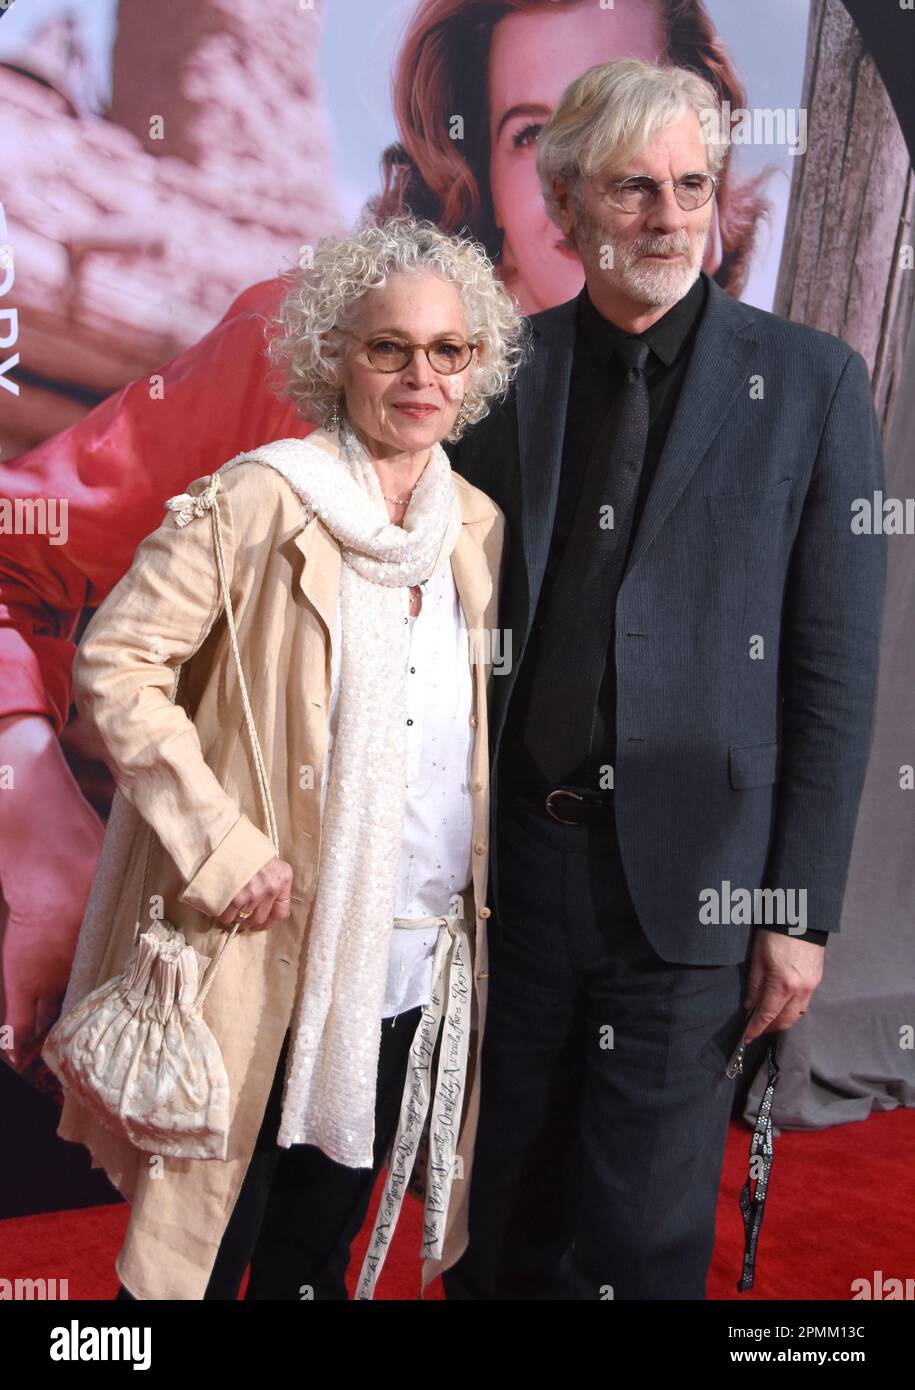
(472,578)
(542,397)
(319,577)
(718,368)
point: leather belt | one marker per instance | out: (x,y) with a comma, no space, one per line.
(578,806)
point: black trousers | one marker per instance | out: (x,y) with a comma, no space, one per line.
(604,1100)
(298,1211)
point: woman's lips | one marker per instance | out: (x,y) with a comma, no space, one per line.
(418,412)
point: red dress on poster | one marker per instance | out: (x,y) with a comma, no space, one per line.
(115,468)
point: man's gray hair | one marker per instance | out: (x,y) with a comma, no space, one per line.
(611,111)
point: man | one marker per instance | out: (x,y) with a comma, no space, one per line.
(687,717)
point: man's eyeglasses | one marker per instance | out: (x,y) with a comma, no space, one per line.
(639,192)
(445,355)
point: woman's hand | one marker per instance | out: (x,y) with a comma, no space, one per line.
(268,893)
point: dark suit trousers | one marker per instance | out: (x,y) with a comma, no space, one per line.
(604,1099)
(298,1211)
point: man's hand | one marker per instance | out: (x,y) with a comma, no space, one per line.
(784,973)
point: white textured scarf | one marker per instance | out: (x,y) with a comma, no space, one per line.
(332,1067)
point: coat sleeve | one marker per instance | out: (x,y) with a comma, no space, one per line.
(125,675)
(110,471)
(829,657)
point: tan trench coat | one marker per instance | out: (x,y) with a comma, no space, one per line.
(181,759)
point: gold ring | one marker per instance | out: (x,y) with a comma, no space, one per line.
(248,912)
(284,900)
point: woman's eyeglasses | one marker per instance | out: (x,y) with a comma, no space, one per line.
(445,355)
(639,192)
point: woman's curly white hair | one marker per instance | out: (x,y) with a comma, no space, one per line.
(323,297)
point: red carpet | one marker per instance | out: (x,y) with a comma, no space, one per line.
(839,1208)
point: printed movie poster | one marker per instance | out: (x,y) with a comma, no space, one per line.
(174,172)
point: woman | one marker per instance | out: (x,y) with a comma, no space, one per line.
(363,652)
(480,59)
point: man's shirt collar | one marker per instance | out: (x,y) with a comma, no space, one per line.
(666,337)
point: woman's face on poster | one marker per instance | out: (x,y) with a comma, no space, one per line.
(533,58)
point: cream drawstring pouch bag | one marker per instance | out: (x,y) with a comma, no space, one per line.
(137,1051)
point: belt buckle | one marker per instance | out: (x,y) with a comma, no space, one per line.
(561,791)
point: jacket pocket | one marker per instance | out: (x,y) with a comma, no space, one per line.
(735,506)
(753,764)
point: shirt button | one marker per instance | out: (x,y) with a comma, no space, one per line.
(474,721)
(412,670)
(476,786)
(485,912)
(479,848)
(409,721)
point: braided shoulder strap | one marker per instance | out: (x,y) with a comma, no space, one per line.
(186,508)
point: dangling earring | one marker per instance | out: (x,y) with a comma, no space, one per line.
(460,420)
(333,423)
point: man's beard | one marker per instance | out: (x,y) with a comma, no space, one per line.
(648,282)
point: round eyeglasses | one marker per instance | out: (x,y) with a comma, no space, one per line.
(639,192)
(445,356)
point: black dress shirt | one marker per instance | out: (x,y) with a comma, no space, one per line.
(596,378)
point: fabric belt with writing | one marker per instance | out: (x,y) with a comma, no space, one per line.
(448,1014)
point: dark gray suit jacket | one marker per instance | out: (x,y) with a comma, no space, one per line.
(731,768)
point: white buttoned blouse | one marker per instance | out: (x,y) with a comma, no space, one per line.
(438,818)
